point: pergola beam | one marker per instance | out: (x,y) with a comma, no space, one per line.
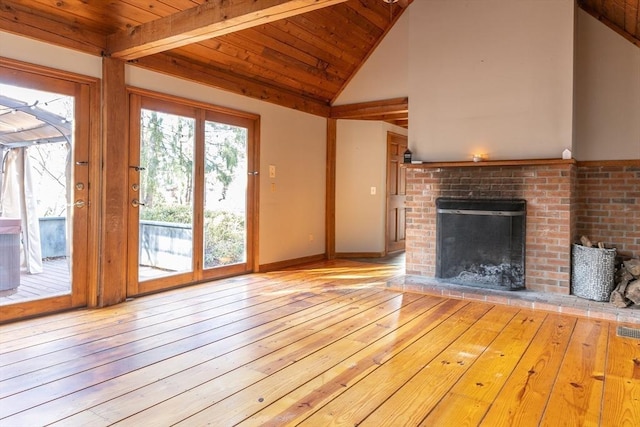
(205,21)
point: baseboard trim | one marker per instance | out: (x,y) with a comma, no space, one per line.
(280,265)
(360,254)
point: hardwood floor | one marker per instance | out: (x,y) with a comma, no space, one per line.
(324,345)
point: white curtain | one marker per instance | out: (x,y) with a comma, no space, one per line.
(19,201)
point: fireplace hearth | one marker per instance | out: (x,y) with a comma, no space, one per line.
(481,242)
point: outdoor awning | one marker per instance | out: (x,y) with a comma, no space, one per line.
(23,124)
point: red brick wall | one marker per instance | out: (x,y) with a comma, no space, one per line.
(608,204)
(550,194)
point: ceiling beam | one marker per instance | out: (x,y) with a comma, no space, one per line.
(402,123)
(205,21)
(374,110)
(211,76)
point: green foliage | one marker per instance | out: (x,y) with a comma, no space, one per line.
(179,214)
(167,156)
(223,238)
(223,231)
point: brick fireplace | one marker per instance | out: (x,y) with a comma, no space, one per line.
(564,200)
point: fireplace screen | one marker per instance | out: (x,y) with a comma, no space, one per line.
(481,242)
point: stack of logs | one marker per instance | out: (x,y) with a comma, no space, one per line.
(627,290)
(627,279)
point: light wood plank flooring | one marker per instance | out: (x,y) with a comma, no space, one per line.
(325,345)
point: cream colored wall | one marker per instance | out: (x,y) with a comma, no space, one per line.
(385,73)
(292,141)
(607,93)
(361,164)
(28,50)
(362,146)
(490,76)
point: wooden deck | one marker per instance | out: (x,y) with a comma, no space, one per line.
(54,280)
(326,345)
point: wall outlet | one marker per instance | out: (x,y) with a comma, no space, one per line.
(373,191)
(273,187)
(272,171)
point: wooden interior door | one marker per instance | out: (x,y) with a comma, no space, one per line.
(396,193)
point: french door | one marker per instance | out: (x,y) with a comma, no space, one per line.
(46,194)
(192,193)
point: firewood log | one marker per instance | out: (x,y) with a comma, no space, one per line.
(617,298)
(633,291)
(633,267)
(586,242)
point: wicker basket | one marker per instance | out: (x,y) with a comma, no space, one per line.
(592,273)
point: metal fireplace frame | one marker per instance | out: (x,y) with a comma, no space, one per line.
(511,213)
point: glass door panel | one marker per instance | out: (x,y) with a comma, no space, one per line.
(192,193)
(37,152)
(165,202)
(225,208)
(45,201)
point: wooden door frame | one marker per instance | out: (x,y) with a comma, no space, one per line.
(86,93)
(200,111)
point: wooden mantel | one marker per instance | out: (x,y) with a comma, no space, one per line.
(486,163)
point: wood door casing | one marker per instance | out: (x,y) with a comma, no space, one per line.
(201,112)
(82,188)
(396,193)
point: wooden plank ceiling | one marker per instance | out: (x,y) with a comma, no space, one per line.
(296,53)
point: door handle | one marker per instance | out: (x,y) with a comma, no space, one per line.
(79,203)
(135,203)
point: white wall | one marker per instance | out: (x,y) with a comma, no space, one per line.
(293,141)
(385,74)
(492,77)
(362,146)
(28,50)
(361,164)
(607,93)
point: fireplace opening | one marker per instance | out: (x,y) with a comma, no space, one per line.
(481,242)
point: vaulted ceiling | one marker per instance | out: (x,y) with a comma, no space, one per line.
(299,54)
